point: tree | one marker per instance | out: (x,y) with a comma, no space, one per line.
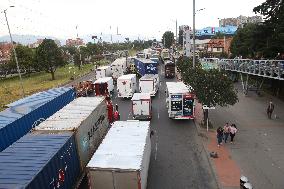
(168,39)
(49,56)
(212,87)
(25,56)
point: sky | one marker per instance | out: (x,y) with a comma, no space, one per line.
(148,18)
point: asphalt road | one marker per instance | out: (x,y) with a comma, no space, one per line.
(178,160)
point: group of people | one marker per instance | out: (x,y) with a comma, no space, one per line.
(223,133)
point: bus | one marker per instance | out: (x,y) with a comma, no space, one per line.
(170,70)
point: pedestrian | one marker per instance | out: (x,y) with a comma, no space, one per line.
(226,132)
(116,116)
(219,134)
(233,130)
(270,109)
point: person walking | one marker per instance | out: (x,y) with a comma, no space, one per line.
(270,109)
(233,130)
(219,134)
(226,132)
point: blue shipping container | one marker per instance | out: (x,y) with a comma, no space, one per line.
(145,66)
(40,161)
(22,115)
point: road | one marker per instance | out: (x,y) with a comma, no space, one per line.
(178,159)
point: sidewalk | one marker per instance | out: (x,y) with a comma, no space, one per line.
(258,151)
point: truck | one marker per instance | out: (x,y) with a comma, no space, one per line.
(122,160)
(165,54)
(145,66)
(21,116)
(104,86)
(149,84)
(155,57)
(180,100)
(85,118)
(104,71)
(126,85)
(118,68)
(170,70)
(141,106)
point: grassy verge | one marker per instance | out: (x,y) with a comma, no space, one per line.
(10,89)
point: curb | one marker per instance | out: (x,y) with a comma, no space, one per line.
(199,130)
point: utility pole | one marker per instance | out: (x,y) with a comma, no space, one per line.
(193,36)
(81,64)
(176,31)
(15,54)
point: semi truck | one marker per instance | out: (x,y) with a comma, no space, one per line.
(149,84)
(104,71)
(180,100)
(170,70)
(104,86)
(145,66)
(126,85)
(118,68)
(122,160)
(141,106)
(165,54)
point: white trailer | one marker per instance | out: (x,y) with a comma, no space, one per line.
(118,68)
(122,160)
(104,71)
(179,100)
(126,85)
(103,86)
(149,84)
(141,106)
(86,118)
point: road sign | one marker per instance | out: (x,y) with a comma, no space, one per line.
(205,107)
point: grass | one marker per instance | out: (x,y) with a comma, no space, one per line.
(10,89)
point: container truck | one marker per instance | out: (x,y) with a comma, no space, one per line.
(104,71)
(170,70)
(24,114)
(145,66)
(118,68)
(87,119)
(165,54)
(126,85)
(122,160)
(40,160)
(141,106)
(104,86)
(179,100)
(155,58)
(149,84)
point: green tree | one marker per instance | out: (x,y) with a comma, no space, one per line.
(49,56)
(25,56)
(212,87)
(168,39)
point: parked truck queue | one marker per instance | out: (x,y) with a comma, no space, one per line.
(55,138)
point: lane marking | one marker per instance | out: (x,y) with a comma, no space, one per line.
(158,115)
(156,145)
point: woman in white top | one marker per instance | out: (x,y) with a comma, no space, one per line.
(233,130)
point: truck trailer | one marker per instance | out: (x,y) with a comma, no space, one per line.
(145,66)
(122,160)
(180,100)
(104,86)
(141,106)
(118,68)
(104,71)
(126,85)
(170,69)
(149,84)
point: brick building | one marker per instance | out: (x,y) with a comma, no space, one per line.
(74,42)
(216,46)
(5,52)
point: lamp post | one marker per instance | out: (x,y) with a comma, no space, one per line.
(193,35)
(14,51)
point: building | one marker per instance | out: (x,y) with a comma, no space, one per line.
(5,52)
(74,42)
(240,21)
(200,45)
(218,46)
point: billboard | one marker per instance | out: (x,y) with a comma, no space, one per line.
(228,30)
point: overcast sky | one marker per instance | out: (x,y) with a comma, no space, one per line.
(149,18)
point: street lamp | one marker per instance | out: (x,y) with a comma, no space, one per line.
(15,54)
(193,36)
